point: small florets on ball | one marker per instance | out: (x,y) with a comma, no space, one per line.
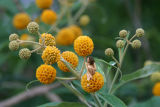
(13,45)
(109,52)
(48,39)
(46,74)
(71,58)
(13,37)
(33,27)
(25,53)
(83,46)
(139,32)
(50,55)
(94,84)
(136,44)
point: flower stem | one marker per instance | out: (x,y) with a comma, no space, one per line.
(22,41)
(36,49)
(30,83)
(70,68)
(76,92)
(83,66)
(114,80)
(96,99)
(62,78)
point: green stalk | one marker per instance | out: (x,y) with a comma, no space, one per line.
(96,99)
(76,92)
(83,66)
(70,68)
(62,78)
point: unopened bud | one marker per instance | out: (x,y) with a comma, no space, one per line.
(139,32)
(13,45)
(123,33)
(120,44)
(24,53)
(33,27)
(136,44)
(13,37)
(109,52)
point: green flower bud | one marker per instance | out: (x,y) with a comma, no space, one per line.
(155,77)
(13,45)
(24,53)
(120,44)
(123,33)
(139,32)
(13,37)
(33,27)
(109,52)
(136,44)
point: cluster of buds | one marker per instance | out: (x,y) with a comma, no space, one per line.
(15,42)
(123,42)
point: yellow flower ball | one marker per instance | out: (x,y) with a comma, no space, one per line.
(69,57)
(76,30)
(84,20)
(94,84)
(48,16)
(21,20)
(65,37)
(49,39)
(46,74)
(50,55)
(83,46)
(26,37)
(156,89)
(43,4)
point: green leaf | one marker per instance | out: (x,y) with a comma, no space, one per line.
(141,73)
(63,104)
(113,100)
(153,102)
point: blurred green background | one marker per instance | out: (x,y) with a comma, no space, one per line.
(107,17)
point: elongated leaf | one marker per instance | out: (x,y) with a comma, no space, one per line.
(141,73)
(153,102)
(63,104)
(113,100)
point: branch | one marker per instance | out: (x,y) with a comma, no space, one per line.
(28,94)
(53,97)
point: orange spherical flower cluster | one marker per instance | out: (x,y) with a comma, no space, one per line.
(65,37)
(49,40)
(156,89)
(76,30)
(94,84)
(46,74)
(43,4)
(48,16)
(69,57)
(83,46)
(50,55)
(21,20)
(26,37)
